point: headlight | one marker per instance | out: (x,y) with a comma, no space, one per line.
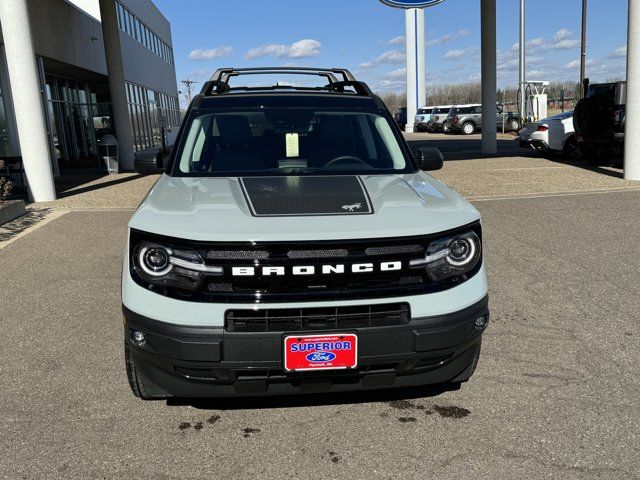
(154,260)
(451,256)
(165,266)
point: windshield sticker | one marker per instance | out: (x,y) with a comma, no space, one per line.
(292,143)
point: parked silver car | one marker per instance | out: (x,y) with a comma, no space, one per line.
(438,118)
(421,120)
(467,119)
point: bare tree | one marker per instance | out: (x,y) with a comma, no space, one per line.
(394,101)
(461,93)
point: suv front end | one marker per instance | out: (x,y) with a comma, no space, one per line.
(303,277)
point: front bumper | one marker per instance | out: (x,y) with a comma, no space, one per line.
(209,361)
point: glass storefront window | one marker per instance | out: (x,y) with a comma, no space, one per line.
(73,127)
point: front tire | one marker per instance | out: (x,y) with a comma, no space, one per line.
(514,125)
(445,128)
(468,128)
(140,385)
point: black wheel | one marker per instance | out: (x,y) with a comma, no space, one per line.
(514,125)
(445,128)
(141,386)
(570,148)
(468,128)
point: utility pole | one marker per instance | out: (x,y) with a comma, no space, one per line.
(188,83)
(521,75)
(583,48)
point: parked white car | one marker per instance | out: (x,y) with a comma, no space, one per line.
(550,135)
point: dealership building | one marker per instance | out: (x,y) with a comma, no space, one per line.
(68,78)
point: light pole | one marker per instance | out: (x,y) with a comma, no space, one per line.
(583,48)
(188,83)
(522,65)
(415,52)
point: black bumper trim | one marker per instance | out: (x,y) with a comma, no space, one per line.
(208,361)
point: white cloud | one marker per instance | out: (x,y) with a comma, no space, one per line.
(448,37)
(454,54)
(307,47)
(399,40)
(390,57)
(200,54)
(562,34)
(620,52)
(567,44)
(576,63)
(397,74)
(439,40)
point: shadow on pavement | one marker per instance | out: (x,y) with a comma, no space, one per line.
(311,399)
(609,168)
(66,185)
(17,225)
(464,148)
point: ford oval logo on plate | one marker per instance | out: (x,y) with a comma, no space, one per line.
(321,357)
(411,3)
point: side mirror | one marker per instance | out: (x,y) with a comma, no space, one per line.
(429,158)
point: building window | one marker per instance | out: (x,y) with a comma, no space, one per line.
(78,115)
(146,108)
(132,26)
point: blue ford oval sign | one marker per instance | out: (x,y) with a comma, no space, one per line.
(411,3)
(317,357)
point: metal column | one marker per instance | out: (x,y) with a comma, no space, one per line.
(488,71)
(522,63)
(113,54)
(26,94)
(415,48)
(632,122)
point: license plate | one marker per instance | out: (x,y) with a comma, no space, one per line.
(320,352)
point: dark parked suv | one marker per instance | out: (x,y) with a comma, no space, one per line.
(467,119)
(599,120)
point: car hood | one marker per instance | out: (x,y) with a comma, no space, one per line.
(216,209)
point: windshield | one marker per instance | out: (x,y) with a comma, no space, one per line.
(282,141)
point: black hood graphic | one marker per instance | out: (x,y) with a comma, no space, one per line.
(302,195)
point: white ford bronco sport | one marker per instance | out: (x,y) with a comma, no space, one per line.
(295,245)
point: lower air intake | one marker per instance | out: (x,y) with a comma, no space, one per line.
(300,319)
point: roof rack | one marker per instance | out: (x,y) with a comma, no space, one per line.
(219,82)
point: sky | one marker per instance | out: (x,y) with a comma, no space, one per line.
(366,37)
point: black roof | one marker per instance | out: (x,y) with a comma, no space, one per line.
(287,99)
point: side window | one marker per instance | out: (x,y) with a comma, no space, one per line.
(477,110)
(193,146)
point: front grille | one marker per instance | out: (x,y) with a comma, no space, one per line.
(312,319)
(283,284)
(237,254)
(335,252)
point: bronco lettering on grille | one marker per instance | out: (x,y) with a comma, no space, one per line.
(316,269)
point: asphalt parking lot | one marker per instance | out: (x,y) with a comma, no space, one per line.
(555,394)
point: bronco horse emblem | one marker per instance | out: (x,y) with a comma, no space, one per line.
(353,207)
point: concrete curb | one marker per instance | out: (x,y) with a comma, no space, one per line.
(10,210)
